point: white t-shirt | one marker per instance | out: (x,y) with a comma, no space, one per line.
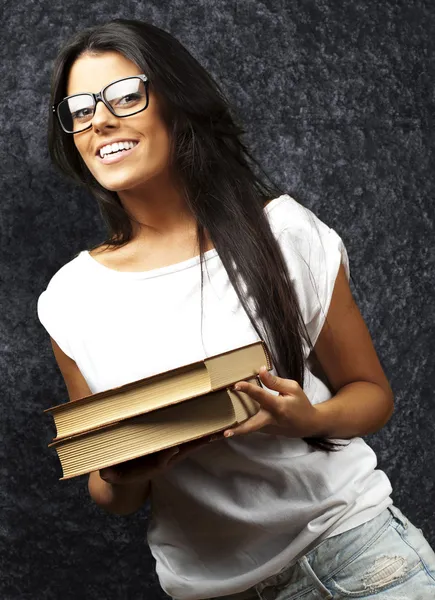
(239,510)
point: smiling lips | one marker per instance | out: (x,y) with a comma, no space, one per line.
(109,159)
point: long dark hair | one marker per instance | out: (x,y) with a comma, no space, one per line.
(214,169)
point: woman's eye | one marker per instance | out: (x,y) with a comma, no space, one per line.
(80,114)
(125,99)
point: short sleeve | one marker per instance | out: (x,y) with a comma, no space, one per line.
(313,253)
(53,315)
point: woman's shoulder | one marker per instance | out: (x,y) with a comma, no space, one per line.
(285,213)
(66,277)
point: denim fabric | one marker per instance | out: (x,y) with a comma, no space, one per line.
(387,558)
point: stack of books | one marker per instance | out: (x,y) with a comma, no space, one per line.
(156,412)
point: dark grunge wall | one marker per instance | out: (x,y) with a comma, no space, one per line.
(338,101)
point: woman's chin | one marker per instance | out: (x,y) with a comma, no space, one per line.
(116,184)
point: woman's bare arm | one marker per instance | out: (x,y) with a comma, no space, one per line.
(123,488)
(115,498)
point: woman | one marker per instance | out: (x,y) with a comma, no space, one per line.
(202,257)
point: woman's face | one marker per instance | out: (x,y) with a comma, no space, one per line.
(150,157)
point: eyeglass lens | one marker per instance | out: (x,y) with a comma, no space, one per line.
(125,97)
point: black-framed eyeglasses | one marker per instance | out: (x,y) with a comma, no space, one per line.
(123,97)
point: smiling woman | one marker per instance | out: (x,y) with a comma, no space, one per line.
(113,74)
(139,122)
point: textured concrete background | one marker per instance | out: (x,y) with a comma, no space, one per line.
(338,101)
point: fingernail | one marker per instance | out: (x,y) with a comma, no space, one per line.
(236,387)
(228,433)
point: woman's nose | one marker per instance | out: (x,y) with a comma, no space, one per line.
(102,115)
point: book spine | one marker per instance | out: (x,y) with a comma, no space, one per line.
(267,354)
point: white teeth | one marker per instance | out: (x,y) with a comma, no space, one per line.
(115,147)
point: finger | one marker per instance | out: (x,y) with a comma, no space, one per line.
(263,397)
(259,420)
(121,471)
(273,382)
(165,457)
(108,474)
(136,468)
(133,469)
(279,384)
(189,447)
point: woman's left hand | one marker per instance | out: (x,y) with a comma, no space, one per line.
(290,413)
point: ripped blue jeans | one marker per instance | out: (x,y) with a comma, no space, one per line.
(387,558)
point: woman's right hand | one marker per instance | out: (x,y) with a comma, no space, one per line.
(144,468)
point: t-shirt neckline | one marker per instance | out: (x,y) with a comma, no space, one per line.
(185,264)
(179,266)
